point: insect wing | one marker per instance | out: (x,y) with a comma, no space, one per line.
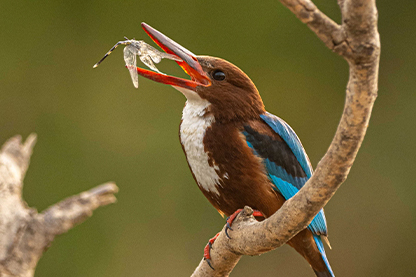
(147,60)
(130,53)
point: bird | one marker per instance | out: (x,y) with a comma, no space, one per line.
(239,154)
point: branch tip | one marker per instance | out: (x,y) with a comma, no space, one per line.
(106,188)
(247,211)
(11,144)
(103,193)
(30,143)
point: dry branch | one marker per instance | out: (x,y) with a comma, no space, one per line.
(357,40)
(24,233)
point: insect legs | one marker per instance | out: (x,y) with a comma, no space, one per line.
(123,42)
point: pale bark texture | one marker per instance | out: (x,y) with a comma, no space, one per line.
(357,40)
(24,233)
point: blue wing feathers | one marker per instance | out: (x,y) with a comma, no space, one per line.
(285,188)
(318,224)
(281,172)
(289,136)
(285,183)
(288,167)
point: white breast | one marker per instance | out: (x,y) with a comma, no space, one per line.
(192,132)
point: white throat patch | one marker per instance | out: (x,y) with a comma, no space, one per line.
(192,132)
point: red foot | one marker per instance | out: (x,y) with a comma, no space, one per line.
(232,217)
(207,250)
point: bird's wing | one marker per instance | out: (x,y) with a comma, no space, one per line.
(285,159)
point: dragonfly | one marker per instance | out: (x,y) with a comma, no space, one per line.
(147,55)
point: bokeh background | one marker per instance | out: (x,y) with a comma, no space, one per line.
(93,126)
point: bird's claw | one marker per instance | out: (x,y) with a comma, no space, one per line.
(230,220)
(207,251)
(209,263)
(228,227)
(232,217)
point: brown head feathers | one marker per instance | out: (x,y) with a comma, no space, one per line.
(233,96)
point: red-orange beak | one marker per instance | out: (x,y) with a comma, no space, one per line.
(189,63)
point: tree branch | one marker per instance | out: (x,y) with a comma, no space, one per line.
(324,27)
(66,214)
(357,40)
(25,234)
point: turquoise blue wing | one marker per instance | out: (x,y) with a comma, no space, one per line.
(285,159)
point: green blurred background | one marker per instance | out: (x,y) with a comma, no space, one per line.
(93,126)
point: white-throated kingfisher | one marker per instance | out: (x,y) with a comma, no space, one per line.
(239,154)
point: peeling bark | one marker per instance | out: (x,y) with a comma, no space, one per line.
(357,41)
(24,233)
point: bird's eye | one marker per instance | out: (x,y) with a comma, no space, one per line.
(218,75)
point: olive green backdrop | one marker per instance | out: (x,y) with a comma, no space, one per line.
(94,126)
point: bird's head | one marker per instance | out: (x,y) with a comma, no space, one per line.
(228,90)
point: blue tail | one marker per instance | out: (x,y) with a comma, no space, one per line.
(321,249)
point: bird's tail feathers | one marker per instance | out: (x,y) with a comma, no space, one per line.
(320,245)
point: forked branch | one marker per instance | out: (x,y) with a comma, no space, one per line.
(24,233)
(357,40)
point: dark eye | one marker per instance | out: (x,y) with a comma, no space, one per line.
(218,75)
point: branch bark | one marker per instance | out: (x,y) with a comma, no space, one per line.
(357,40)
(24,233)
